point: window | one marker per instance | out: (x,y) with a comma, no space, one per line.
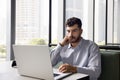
(57,21)
(100,22)
(113,22)
(3,25)
(34,19)
(116,30)
(32,22)
(100,19)
(82,9)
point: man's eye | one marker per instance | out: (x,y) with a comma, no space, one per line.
(68,31)
(75,30)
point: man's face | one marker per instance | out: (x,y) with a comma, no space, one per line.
(73,33)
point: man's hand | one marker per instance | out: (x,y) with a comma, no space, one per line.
(65,41)
(67,68)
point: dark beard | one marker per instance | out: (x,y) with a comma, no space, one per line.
(77,40)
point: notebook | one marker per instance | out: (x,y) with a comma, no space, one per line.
(34,61)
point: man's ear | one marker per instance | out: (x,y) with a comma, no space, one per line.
(81,30)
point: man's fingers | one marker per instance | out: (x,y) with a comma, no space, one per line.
(63,65)
(61,68)
(64,71)
(67,68)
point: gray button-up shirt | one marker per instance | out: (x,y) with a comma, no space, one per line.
(85,56)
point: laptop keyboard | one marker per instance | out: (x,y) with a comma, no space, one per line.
(55,74)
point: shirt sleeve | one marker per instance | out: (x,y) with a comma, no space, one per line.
(55,55)
(93,69)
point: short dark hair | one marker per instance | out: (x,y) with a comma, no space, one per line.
(73,20)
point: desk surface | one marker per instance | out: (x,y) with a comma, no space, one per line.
(9,73)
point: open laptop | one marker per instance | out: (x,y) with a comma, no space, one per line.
(34,61)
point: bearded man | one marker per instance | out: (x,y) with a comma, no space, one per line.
(77,54)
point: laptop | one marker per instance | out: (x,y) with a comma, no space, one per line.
(34,61)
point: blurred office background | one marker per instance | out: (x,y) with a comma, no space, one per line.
(42,22)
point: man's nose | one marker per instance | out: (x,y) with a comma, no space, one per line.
(70,34)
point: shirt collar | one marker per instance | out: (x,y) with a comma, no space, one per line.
(69,45)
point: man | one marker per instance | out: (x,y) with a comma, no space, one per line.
(77,54)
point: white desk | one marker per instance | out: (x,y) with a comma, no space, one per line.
(9,73)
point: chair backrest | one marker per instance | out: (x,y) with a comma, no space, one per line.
(110,62)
